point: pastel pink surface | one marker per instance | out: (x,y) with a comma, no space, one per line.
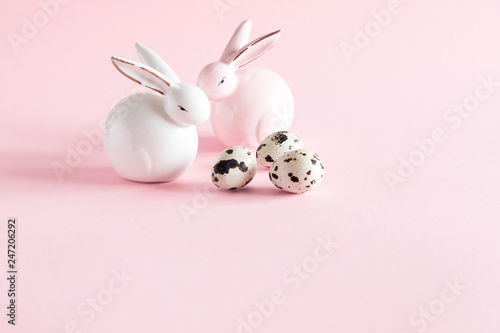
(398,248)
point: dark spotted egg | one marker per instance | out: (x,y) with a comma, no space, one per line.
(275,145)
(297,171)
(234,168)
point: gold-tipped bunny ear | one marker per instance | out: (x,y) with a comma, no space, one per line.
(142,74)
(255,49)
(153,60)
(240,37)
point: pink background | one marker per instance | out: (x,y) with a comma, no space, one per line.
(399,248)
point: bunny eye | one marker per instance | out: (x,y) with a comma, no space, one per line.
(182,109)
(222,81)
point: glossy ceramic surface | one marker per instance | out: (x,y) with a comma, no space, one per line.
(152,137)
(247,104)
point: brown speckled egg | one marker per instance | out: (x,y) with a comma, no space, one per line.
(275,145)
(297,171)
(234,168)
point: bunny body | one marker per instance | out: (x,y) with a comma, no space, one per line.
(153,138)
(261,104)
(144,144)
(247,104)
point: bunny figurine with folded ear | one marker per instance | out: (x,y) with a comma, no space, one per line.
(247,104)
(151,137)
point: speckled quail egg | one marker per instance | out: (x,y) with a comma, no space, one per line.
(234,168)
(275,145)
(297,171)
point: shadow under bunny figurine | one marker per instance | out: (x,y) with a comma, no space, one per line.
(151,137)
(247,104)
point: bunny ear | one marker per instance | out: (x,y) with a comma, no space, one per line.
(255,49)
(153,60)
(142,74)
(240,37)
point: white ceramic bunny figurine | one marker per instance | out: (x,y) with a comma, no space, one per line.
(149,137)
(247,104)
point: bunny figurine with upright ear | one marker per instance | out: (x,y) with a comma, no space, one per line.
(151,137)
(247,104)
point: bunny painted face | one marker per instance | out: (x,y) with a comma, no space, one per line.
(187,104)
(218,79)
(184,103)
